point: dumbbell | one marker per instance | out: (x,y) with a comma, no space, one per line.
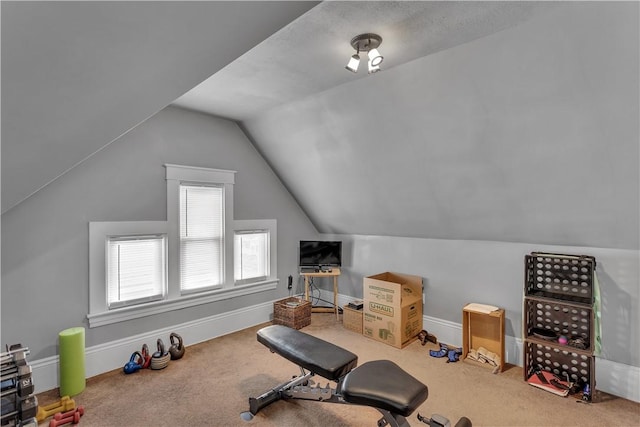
(25,387)
(19,368)
(133,365)
(28,407)
(160,359)
(72,416)
(146,356)
(19,357)
(177,346)
(64,404)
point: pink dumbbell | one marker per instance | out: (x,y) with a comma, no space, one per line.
(69,417)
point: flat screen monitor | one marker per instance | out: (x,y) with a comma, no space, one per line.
(315,253)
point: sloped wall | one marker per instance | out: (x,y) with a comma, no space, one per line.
(45,239)
(76,75)
(529,135)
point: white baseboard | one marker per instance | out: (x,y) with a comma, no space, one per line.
(451,333)
(618,379)
(113,355)
(611,377)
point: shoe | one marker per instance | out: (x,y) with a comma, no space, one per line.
(425,336)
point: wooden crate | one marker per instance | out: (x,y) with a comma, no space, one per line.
(292,312)
(483,330)
(352,319)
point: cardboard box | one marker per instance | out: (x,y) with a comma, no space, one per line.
(352,319)
(392,308)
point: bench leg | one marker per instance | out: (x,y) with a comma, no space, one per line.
(276,393)
(393,420)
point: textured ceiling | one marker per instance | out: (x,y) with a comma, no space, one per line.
(309,55)
(510,121)
(495,121)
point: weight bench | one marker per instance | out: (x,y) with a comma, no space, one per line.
(380,384)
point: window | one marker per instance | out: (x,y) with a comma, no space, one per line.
(118,282)
(201,237)
(143,268)
(136,267)
(251,256)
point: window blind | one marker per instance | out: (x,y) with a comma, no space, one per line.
(251,255)
(135,269)
(201,237)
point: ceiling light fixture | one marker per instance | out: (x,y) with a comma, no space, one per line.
(369,43)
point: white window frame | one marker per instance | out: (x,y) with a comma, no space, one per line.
(158,276)
(269,225)
(100,315)
(99,232)
(184,240)
(177,174)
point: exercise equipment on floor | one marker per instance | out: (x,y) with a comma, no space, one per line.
(380,384)
(440,421)
(424,336)
(134,364)
(71,361)
(69,417)
(160,359)
(452,354)
(64,404)
(177,346)
(146,356)
(19,404)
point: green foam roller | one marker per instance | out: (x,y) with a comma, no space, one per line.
(72,372)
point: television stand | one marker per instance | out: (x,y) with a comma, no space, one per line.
(327,272)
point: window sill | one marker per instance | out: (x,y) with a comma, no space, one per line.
(185,301)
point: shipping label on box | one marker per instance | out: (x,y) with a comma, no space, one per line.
(392,308)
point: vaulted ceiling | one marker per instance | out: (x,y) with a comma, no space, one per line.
(499,121)
(77,75)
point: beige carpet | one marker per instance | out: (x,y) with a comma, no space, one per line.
(211,385)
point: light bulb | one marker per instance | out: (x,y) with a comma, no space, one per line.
(354,61)
(375,57)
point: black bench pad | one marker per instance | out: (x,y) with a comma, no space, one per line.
(383,384)
(313,354)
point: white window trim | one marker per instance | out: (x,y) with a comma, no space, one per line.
(162,239)
(175,175)
(262,224)
(100,315)
(98,234)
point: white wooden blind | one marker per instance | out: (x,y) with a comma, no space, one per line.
(251,255)
(136,269)
(201,237)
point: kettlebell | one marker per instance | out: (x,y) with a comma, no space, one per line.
(177,346)
(146,356)
(160,359)
(132,366)
(160,352)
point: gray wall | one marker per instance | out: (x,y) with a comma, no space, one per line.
(45,238)
(529,135)
(77,75)
(456,272)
